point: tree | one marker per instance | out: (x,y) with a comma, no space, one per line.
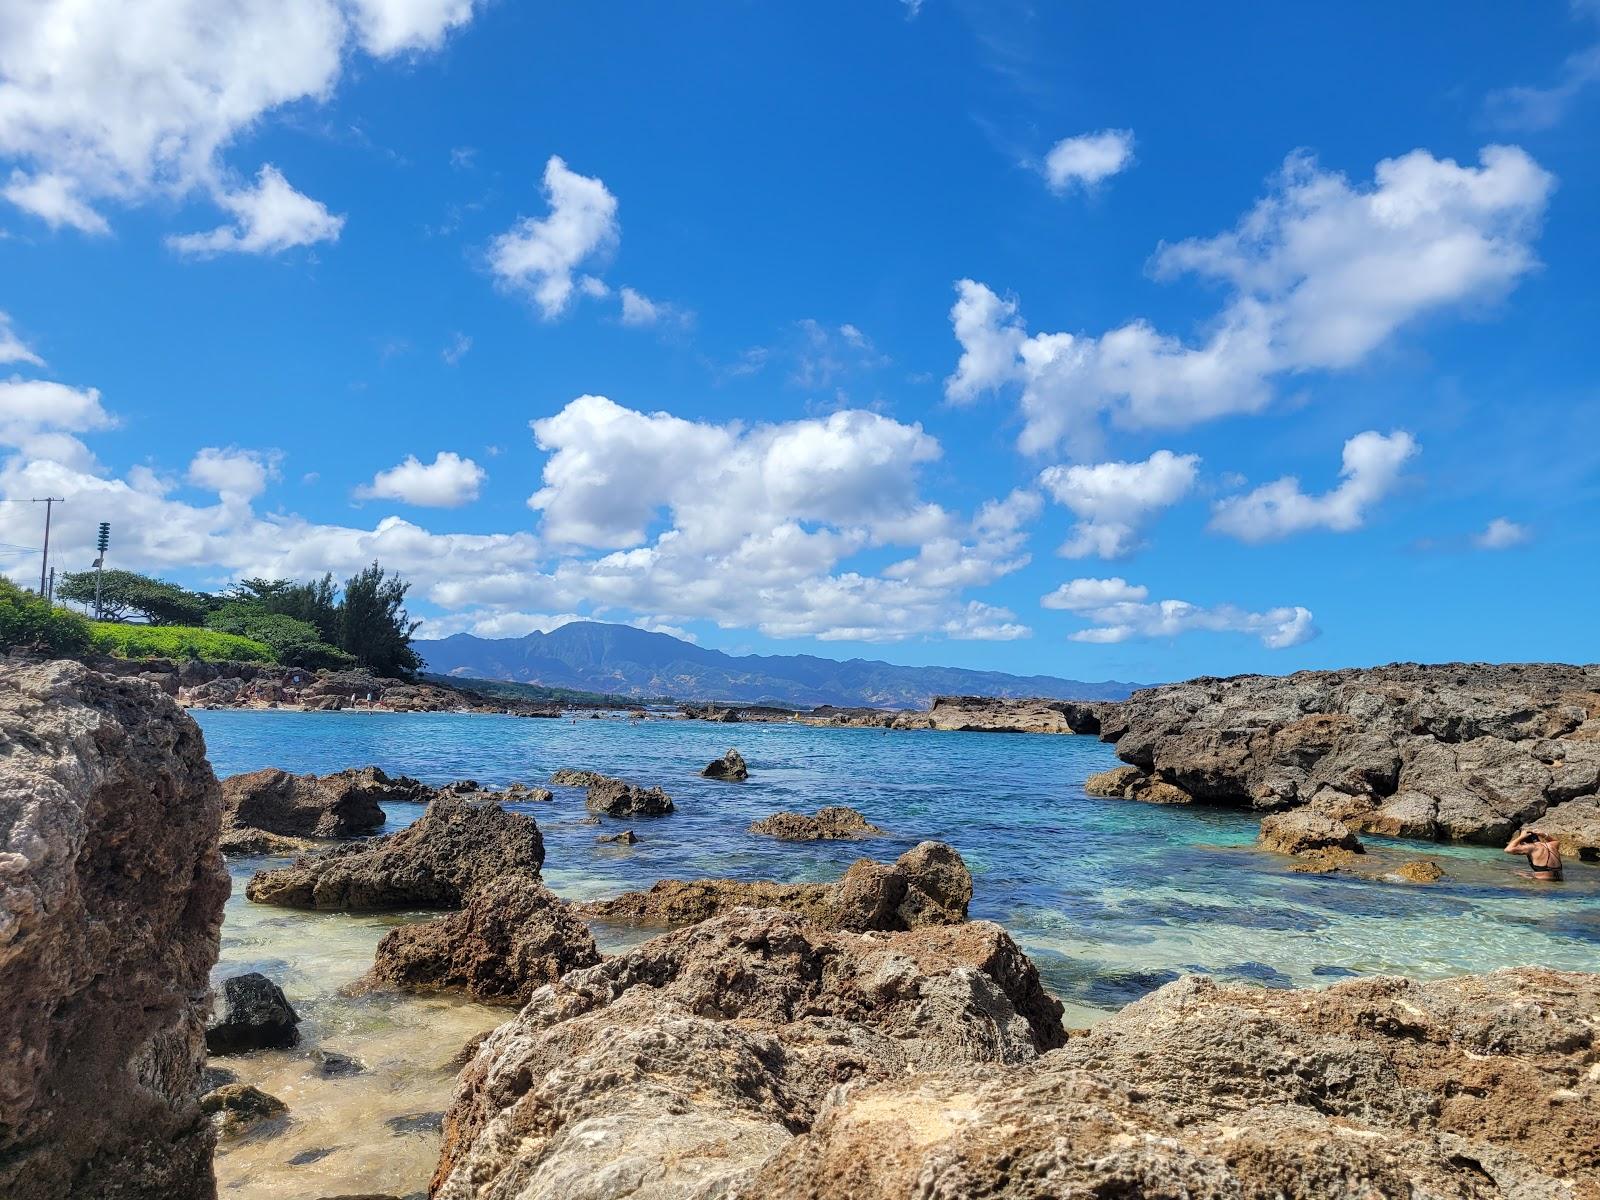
(127,593)
(373,624)
(31,621)
(294,643)
(315,603)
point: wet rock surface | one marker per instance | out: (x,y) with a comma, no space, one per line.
(927,885)
(456,846)
(730,767)
(1306,832)
(619,798)
(346,804)
(256,1016)
(1474,1087)
(568,777)
(513,936)
(833,823)
(1456,751)
(676,1069)
(111,893)
(241,1108)
(1130,783)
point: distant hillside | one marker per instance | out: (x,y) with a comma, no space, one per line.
(622,660)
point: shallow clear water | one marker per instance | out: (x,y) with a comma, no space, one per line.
(1111,898)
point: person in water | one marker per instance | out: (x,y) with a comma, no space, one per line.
(1543,854)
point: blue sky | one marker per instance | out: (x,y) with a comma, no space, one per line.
(1088,340)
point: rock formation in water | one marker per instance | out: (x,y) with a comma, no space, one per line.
(927,885)
(241,1108)
(568,777)
(513,936)
(256,1016)
(834,823)
(1463,751)
(111,894)
(678,1068)
(346,804)
(1306,832)
(1474,1087)
(619,798)
(1130,783)
(730,767)
(456,846)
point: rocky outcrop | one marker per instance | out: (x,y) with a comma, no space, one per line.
(1576,826)
(927,885)
(567,777)
(1306,832)
(1474,1087)
(1458,751)
(1130,783)
(730,767)
(619,798)
(834,823)
(111,893)
(346,804)
(513,936)
(244,842)
(459,844)
(256,1016)
(678,1068)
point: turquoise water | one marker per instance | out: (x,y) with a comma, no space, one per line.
(1110,897)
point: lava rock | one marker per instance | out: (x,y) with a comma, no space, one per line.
(256,1016)
(626,838)
(1306,832)
(619,798)
(240,1107)
(730,767)
(834,823)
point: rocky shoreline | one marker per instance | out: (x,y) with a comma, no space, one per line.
(862,1038)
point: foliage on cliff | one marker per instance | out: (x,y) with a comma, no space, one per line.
(28,620)
(176,641)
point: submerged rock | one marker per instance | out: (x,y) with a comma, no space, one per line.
(456,846)
(927,885)
(567,777)
(1129,783)
(240,842)
(677,1068)
(240,1107)
(731,767)
(256,1016)
(330,1064)
(522,793)
(626,838)
(834,823)
(1305,832)
(1420,870)
(111,894)
(513,936)
(1471,1087)
(619,798)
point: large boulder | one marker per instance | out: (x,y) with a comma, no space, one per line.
(256,1016)
(927,885)
(513,937)
(111,894)
(1467,751)
(730,767)
(1473,1087)
(619,798)
(456,846)
(1306,832)
(834,823)
(346,804)
(677,1068)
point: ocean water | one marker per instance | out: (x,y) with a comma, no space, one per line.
(1110,897)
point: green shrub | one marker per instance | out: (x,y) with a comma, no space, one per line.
(177,641)
(294,643)
(29,620)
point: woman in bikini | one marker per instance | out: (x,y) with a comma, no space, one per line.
(1543,854)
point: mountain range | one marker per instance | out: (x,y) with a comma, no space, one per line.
(622,660)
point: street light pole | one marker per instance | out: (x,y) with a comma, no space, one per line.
(49,503)
(102,543)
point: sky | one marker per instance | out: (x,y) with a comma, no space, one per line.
(1103,341)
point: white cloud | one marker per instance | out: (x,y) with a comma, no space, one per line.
(1502,534)
(12,348)
(449,481)
(271,217)
(1372,465)
(106,102)
(1114,500)
(1119,611)
(1532,109)
(1088,159)
(39,418)
(1322,273)
(509,624)
(826,354)
(540,256)
(639,310)
(457,349)
(237,476)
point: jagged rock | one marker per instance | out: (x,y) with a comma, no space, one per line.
(1420,870)
(1472,1087)
(834,823)
(991,714)
(1576,826)
(567,777)
(256,1016)
(111,894)
(240,1107)
(457,845)
(619,798)
(240,842)
(513,936)
(626,838)
(731,767)
(927,885)
(1306,832)
(1130,783)
(677,1068)
(345,804)
(521,793)
(1465,751)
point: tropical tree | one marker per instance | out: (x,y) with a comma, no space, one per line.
(294,643)
(373,624)
(123,594)
(316,603)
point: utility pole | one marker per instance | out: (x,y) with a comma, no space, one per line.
(52,593)
(49,503)
(102,542)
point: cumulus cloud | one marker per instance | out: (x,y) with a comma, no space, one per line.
(12,348)
(270,217)
(1502,534)
(237,476)
(104,102)
(449,481)
(1372,466)
(639,310)
(1321,273)
(40,418)
(539,256)
(1119,611)
(1114,500)
(1088,159)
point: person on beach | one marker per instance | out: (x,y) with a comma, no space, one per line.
(1543,854)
